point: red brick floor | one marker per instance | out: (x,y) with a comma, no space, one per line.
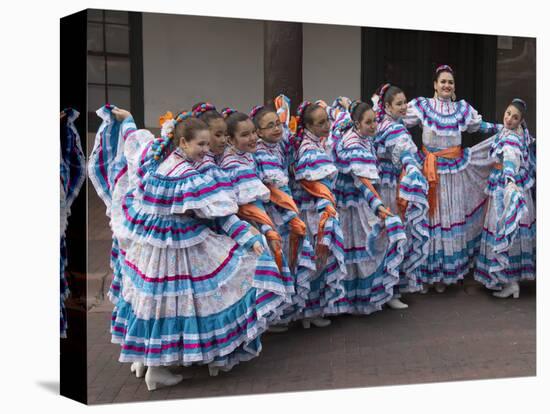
(462,334)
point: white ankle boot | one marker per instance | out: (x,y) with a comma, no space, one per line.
(277,328)
(511,289)
(213,370)
(440,287)
(318,322)
(395,303)
(156,376)
(139,368)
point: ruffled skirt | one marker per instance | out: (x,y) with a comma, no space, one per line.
(508,241)
(455,227)
(413,189)
(206,304)
(325,285)
(371,259)
(305,265)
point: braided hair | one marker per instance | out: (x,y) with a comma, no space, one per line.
(206,112)
(384,95)
(184,125)
(232,118)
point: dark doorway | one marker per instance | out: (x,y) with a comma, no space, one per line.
(408,58)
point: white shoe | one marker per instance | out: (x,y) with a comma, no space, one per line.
(213,371)
(156,376)
(139,368)
(318,322)
(440,287)
(425,289)
(510,289)
(277,328)
(395,303)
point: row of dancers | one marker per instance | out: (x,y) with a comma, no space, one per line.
(230,224)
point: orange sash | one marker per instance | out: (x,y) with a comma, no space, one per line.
(297,226)
(250,212)
(430,171)
(319,190)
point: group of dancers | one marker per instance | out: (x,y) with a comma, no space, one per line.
(231,224)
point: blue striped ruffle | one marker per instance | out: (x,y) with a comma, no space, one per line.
(356,155)
(314,165)
(107,159)
(326,287)
(390,136)
(175,231)
(413,188)
(160,194)
(238,230)
(495,269)
(118,256)
(443,124)
(508,139)
(497,180)
(195,339)
(211,170)
(326,284)
(395,251)
(347,193)
(269,169)
(246,184)
(388,173)
(364,295)
(448,269)
(511,208)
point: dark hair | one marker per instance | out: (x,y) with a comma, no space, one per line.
(520,105)
(307,114)
(443,68)
(358,109)
(391,93)
(233,120)
(303,117)
(258,116)
(188,128)
(206,116)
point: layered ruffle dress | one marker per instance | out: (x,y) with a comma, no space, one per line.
(188,294)
(272,166)
(404,190)
(508,241)
(373,248)
(252,198)
(108,172)
(456,178)
(72,174)
(312,189)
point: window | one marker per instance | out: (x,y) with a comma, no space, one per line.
(114,62)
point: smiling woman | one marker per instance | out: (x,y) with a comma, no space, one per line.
(403,188)
(456,178)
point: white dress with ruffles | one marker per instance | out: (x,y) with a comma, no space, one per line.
(455,227)
(188,294)
(508,241)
